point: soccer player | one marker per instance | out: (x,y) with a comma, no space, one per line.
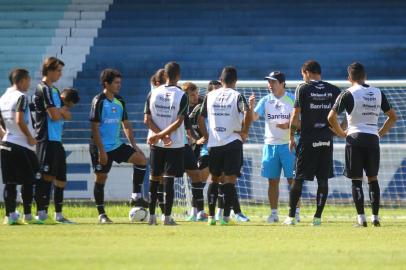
(229,117)
(18,160)
(276,108)
(164,115)
(50,114)
(313,100)
(108,116)
(362,104)
(197,212)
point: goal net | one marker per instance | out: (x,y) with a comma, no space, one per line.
(253,188)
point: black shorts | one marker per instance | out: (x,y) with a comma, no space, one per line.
(226,159)
(19,165)
(120,154)
(190,159)
(52,159)
(359,159)
(167,161)
(313,159)
(203,162)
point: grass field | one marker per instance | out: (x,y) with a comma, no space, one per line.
(254,245)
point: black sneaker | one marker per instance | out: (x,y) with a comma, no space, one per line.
(376,223)
(139,203)
(104,219)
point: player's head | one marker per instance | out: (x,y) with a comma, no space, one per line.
(192,91)
(70,97)
(276,83)
(172,72)
(311,70)
(52,68)
(111,80)
(213,85)
(229,76)
(158,79)
(356,73)
(20,78)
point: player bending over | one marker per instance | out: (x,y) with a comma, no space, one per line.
(107,116)
(362,104)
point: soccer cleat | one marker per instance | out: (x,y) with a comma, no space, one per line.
(191,218)
(226,222)
(273,219)
(376,223)
(169,221)
(211,221)
(201,216)
(240,217)
(104,219)
(316,221)
(152,220)
(289,221)
(297,217)
(361,225)
(63,220)
(139,203)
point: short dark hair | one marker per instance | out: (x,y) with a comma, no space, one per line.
(51,64)
(312,66)
(229,75)
(17,75)
(108,75)
(356,71)
(158,77)
(172,70)
(71,95)
(212,85)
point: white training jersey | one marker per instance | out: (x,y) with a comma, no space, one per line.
(367,106)
(275,110)
(223,109)
(165,104)
(10,102)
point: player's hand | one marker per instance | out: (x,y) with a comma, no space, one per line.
(251,101)
(103,158)
(31,141)
(201,141)
(244,135)
(167,140)
(292,145)
(283,126)
(153,139)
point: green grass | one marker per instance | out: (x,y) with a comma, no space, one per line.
(254,245)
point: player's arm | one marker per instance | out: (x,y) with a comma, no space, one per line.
(49,104)
(345,101)
(246,109)
(391,116)
(2,127)
(22,106)
(201,120)
(294,121)
(95,113)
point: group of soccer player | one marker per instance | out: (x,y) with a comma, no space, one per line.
(202,137)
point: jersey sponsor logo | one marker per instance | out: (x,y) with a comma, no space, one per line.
(319,125)
(278,116)
(320,106)
(220,129)
(320,144)
(113,109)
(110,121)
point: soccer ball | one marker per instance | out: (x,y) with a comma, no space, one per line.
(138,214)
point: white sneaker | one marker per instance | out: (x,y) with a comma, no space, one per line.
(289,221)
(272,218)
(162,217)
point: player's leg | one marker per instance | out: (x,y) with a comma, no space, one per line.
(354,165)
(297,214)
(216,160)
(220,199)
(371,170)
(139,162)
(271,168)
(157,163)
(27,188)
(239,216)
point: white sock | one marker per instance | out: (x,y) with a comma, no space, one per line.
(219,211)
(226,218)
(361,219)
(193,211)
(42,214)
(298,210)
(136,196)
(58,215)
(28,217)
(274,212)
(13,216)
(374,217)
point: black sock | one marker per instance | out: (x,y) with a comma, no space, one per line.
(161,199)
(153,196)
(374,196)
(42,194)
(212,194)
(236,205)
(26,195)
(220,199)
(358,196)
(58,199)
(99,197)
(197,193)
(169,195)
(10,197)
(138,177)
(229,197)
(294,196)
(321,198)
